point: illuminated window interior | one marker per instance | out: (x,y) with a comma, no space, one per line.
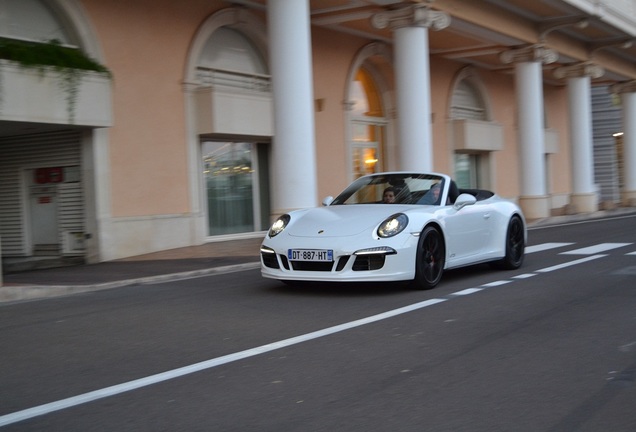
(367,125)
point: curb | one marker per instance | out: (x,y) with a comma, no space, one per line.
(33,292)
(582,217)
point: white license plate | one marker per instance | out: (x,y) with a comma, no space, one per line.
(318,255)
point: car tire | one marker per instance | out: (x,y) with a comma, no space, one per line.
(430,259)
(515,245)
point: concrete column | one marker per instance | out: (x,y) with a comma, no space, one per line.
(584,197)
(531,132)
(413,88)
(293,175)
(628,97)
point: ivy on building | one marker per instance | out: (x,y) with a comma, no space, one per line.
(70,63)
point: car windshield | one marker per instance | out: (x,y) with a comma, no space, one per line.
(399,188)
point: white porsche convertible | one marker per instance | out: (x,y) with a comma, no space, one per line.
(395,226)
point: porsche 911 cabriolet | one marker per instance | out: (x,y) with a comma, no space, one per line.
(395,226)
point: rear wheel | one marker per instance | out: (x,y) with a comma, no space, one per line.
(515,245)
(429,261)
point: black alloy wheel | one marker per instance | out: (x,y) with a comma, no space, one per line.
(515,245)
(429,262)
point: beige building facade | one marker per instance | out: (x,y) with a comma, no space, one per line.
(216,116)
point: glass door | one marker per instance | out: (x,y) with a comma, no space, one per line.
(231,186)
(366,147)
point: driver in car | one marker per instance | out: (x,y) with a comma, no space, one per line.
(388,197)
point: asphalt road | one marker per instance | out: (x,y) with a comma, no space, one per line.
(549,347)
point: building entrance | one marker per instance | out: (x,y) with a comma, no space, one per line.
(235,196)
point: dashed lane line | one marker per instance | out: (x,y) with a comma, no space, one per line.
(545,246)
(467,291)
(524,276)
(570,263)
(599,248)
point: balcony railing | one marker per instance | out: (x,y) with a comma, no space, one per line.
(234,79)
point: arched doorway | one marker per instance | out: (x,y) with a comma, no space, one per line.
(367,123)
(475,135)
(232,105)
(467,104)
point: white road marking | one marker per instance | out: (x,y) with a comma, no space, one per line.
(569,264)
(466,291)
(631,253)
(545,246)
(591,250)
(496,283)
(197,367)
(524,276)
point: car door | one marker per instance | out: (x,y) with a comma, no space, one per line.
(467,233)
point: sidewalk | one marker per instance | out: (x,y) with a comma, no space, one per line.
(174,264)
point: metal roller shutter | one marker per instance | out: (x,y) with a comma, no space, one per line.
(606,120)
(19,155)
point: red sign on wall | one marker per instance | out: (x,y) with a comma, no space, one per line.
(49,175)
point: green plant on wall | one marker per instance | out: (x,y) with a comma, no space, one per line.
(69,63)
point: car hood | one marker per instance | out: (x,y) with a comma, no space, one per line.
(340,220)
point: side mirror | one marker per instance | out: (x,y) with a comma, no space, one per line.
(327,201)
(464,200)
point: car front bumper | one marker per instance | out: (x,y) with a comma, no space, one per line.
(375,260)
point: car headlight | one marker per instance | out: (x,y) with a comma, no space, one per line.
(279,225)
(393,225)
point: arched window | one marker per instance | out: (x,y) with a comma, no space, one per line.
(229,50)
(30,20)
(368,125)
(229,59)
(467,102)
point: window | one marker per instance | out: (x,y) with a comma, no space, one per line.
(231,187)
(467,103)
(30,20)
(230,60)
(367,126)
(467,170)
(423,189)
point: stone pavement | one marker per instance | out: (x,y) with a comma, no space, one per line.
(174,264)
